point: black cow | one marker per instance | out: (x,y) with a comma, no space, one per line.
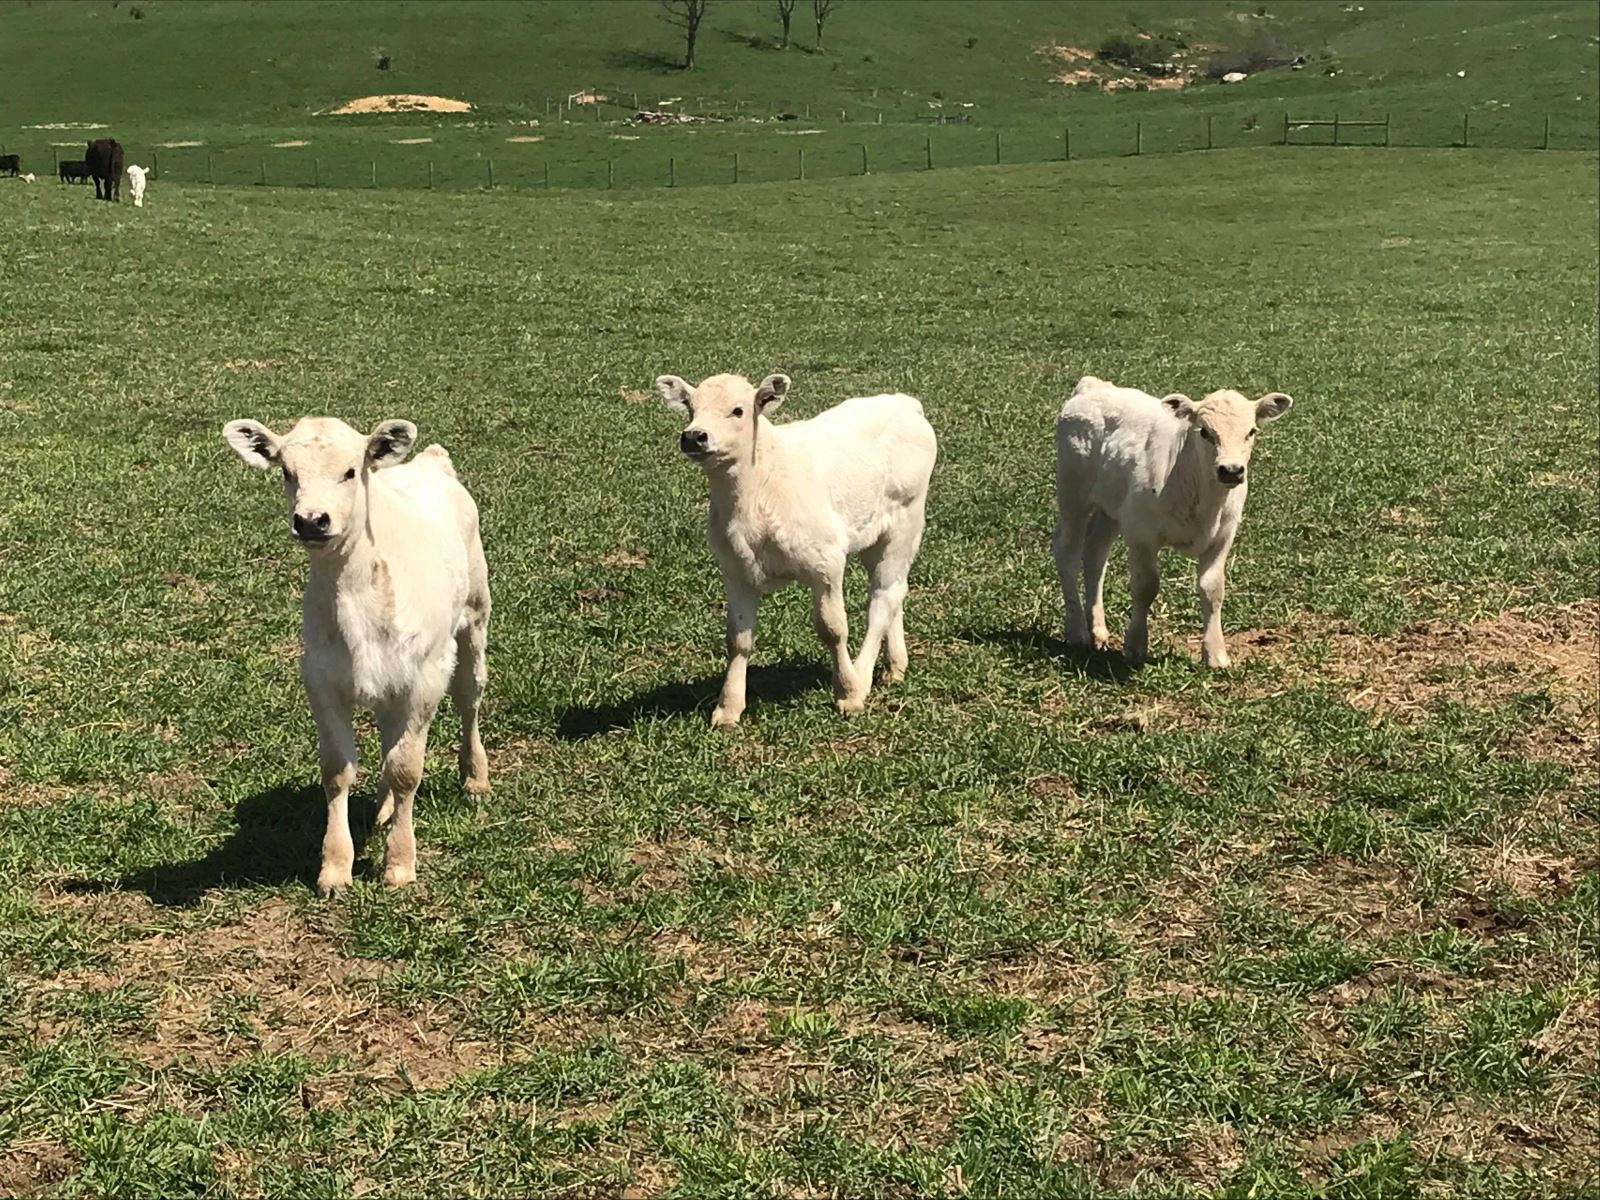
(10,164)
(104,157)
(74,172)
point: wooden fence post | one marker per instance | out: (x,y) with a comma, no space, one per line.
(430,174)
(1466,130)
(547,174)
(155,165)
(736,166)
(316,171)
(1336,127)
(927,147)
(263,163)
(490,163)
(997,147)
(1546,144)
(611,173)
(1286,128)
(863,158)
(1386,128)
(1208,131)
(209,179)
(672,172)
(1138,137)
(802,160)
(374,172)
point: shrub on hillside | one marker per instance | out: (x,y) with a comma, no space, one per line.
(1262,53)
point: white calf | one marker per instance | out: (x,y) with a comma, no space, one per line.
(136,185)
(30,177)
(395,612)
(790,503)
(1166,472)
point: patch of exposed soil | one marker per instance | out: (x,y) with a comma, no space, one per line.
(398,102)
(1355,897)
(271,982)
(30,1167)
(290,145)
(527,138)
(178,145)
(409,141)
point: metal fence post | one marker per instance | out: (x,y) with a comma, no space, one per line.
(672,172)
(1546,144)
(155,165)
(430,174)
(736,166)
(802,160)
(997,147)
(927,147)
(863,158)
(1466,129)
(1138,137)
(263,163)
(490,164)
(1208,131)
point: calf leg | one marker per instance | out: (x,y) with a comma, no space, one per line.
(828,618)
(742,604)
(404,730)
(336,749)
(1211,578)
(1097,541)
(1144,581)
(1066,543)
(466,691)
(888,566)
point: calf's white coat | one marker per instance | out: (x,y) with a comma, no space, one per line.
(1162,473)
(793,502)
(395,611)
(136,185)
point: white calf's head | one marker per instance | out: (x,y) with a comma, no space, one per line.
(1224,426)
(722,413)
(325,465)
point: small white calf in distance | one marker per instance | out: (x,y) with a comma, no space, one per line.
(395,612)
(791,503)
(29,177)
(136,185)
(1168,472)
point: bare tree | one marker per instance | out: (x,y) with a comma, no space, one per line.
(785,13)
(819,11)
(686,15)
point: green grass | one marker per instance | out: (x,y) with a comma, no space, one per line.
(242,79)
(1032,924)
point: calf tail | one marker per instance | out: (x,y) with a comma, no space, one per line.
(439,452)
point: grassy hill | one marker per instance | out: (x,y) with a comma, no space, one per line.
(244,81)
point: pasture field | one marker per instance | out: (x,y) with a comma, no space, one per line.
(229,92)
(1033,924)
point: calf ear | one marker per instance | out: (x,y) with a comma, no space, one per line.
(389,444)
(1180,405)
(1272,406)
(253,442)
(771,391)
(675,393)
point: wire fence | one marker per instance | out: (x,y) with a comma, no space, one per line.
(655,159)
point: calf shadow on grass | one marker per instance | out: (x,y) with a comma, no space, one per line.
(776,685)
(1035,645)
(276,839)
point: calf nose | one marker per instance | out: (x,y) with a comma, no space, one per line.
(692,441)
(1230,475)
(310,527)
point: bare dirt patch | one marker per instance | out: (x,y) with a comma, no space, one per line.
(178,145)
(397,102)
(527,138)
(32,1166)
(269,981)
(291,144)
(1366,898)
(409,141)
(1486,661)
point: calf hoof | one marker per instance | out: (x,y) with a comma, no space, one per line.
(476,785)
(722,718)
(398,875)
(1102,639)
(895,673)
(1217,662)
(1073,636)
(851,704)
(332,881)
(1135,657)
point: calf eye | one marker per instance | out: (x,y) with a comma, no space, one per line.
(738,412)
(288,475)
(1249,435)
(1208,435)
(350,474)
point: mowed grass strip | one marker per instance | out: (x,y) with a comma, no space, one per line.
(1033,924)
